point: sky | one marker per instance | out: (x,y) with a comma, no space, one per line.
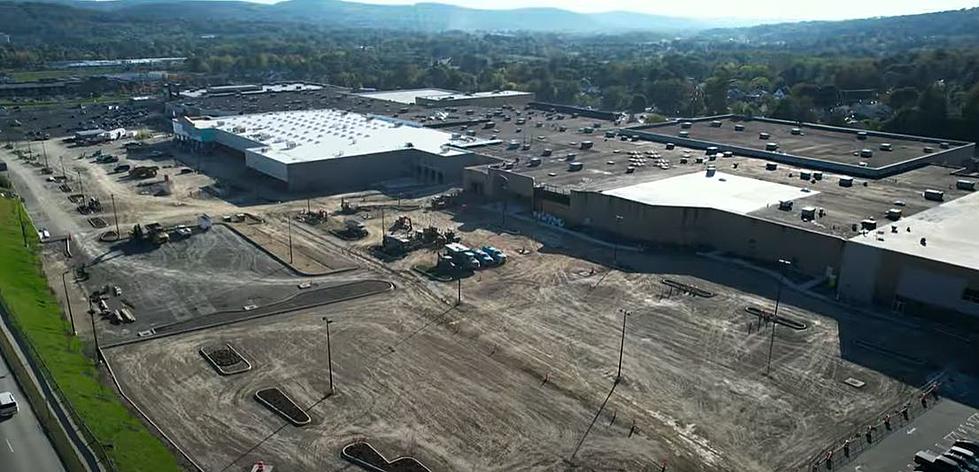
(754,9)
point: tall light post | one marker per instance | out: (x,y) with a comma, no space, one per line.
(782,264)
(289,219)
(115,215)
(618,375)
(504,188)
(71,315)
(329,352)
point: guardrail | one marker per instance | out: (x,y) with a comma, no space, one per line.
(51,414)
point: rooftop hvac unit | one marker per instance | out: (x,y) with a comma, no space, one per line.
(715,124)
(670,146)
(894,214)
(861,135)
(546,152)
(771,166)
(712,150)
(771,146)
(944,145)
(868,224)
(764,135)
(817,175)
(711,170)
(808,213)
(866,153)
(728,153)
(534,162)
(684,134)
(934,195)
(738,127)
(571,156)
(805,175)
(785,205)
(575,166)
(700,160)
(586,145)
(886,147)
(969,185)
(686,125)
(796,132)
(846,181)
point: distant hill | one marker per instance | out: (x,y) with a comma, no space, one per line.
(422,17)
(948,27)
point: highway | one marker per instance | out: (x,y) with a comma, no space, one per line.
(23,445)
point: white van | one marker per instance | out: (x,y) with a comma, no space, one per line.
(8,405)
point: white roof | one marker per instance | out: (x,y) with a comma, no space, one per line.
(289,87)
(312,135)
(949,230)
(6,398)
(407,96)
(726,192)
(410,96)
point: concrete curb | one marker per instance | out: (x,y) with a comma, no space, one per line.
(144,416)
(278,259)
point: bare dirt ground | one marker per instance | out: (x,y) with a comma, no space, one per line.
(511,379)
(464,388)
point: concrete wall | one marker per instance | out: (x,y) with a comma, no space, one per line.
(267,166)
(707,228)
(361,172)
(872,275)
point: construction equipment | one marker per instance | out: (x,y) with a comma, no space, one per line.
(156,234)
(143,172)
(347,208)
(403,223)
(444,200)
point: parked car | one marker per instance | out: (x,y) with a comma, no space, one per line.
(485,260)
(8,404)
(498,256)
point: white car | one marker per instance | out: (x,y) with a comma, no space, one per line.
(8,405)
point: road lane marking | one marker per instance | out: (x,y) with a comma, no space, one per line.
(9,446)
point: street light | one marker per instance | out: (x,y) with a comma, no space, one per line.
(782,264)
(329,352)
(71,316)
(618,375)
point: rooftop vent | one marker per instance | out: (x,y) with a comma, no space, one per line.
(796,132)
(846,181)
(861,135)
(934,195)
(886,147)
(969,185)
(771,146)
(738,127)
(686,125)
(715,124)
(764,135)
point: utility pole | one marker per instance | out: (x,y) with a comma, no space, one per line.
(289,218)
(44,151)
(778,298)
(62,160)
(115,215)
(459,291)
(618,375)
(71,316)
(81,186)
(307,206)
(384,228)
(329,352)
(20,219)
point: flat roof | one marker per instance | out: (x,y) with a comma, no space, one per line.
(731,193)
(949,231)
(312,135)
(406,96)
(251,89)
(463,96)
(816,143)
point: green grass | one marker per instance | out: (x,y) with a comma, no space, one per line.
(38,315)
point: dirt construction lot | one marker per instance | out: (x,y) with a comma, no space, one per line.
(511,379)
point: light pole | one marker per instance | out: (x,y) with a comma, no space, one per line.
(782,264)
(329,352)
(71,315)
(289,219)
(504,187)
(115,215)
(618,375)
(615,244)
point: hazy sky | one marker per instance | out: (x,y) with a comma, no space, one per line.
(799,9)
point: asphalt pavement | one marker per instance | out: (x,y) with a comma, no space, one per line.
(933,431)
(23,445)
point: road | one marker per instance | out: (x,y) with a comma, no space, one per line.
(936,430)
(23,445)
